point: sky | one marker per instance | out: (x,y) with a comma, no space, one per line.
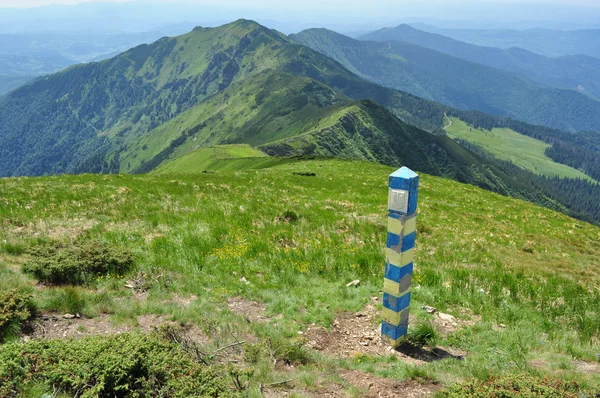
(311,3)
(290,16)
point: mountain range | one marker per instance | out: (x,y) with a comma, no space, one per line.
(242,83)
(457,82)
(548,42)
(573,72)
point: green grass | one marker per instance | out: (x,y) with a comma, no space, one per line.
(486,259)
(219,158)
(506,144)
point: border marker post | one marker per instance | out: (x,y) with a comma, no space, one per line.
(402,228)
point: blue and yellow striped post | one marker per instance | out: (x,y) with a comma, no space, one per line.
(402,229)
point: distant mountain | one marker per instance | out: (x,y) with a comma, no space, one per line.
(36,54)
(574,72)
(453,81)
(239,83)
(548,42)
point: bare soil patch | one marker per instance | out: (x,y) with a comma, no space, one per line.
(251,310)
(360,334)
(377,387)
(587,367)
(54,326)
(351,334)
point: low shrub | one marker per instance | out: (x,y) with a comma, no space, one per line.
(125,365)
(424,334)
(15,310)
(60,264)
(522,385)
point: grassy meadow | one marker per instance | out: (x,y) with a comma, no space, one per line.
(521,281)
(506,144)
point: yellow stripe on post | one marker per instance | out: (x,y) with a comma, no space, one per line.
(395,226)
(393,288)
(395,318)
(402,227)
(396,343)
(400,259)
(410,226)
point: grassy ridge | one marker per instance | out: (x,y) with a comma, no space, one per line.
(507,144)
(220,158)
(484,258)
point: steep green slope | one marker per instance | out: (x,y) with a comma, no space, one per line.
(574,72)
(249,259)
(456,82)
(506,144)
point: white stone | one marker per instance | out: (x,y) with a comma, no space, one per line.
(446,317)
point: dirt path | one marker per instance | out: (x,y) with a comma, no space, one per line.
(449,121)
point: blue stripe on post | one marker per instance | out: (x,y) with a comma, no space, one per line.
(408,242)
(393,240)
(396,303)
(394,332)
(412,200)
(397,273)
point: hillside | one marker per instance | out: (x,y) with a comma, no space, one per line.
(86,117)
(548,42)
(239,83)
(238,287)
(456,82)
(520,150)
(573,72)
(242,83)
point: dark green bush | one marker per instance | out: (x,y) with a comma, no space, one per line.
(125,365)
(424,333)
(517,386)
(15,309)
(59,264)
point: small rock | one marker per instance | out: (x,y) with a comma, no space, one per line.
(128,286)
(503,326)
(353,283)
(446,317)
(69,316)
(244,280)
(300,332)
(360,314)
(429,310)
(364,343)
(481,291)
